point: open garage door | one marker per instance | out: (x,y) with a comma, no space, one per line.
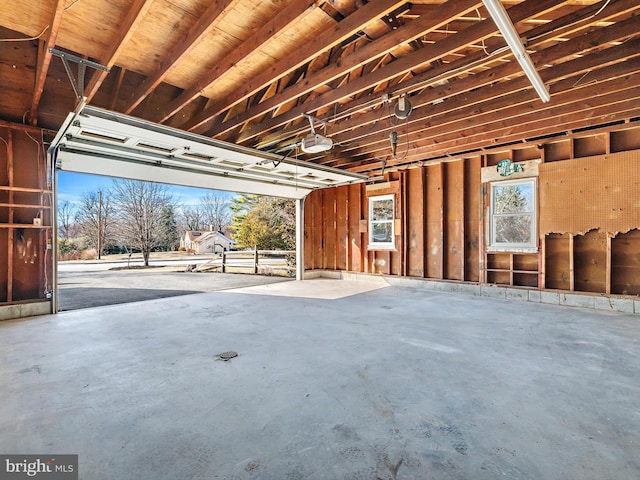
(101,142)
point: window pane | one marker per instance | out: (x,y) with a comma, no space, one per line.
(382,209)
(382,232)
(513,199)
(513,229)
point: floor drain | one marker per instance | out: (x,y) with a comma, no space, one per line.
(226,356)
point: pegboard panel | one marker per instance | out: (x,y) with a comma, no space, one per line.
(591,193)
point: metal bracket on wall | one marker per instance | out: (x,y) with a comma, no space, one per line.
(78,85)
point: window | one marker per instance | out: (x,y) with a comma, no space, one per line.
(381,228)
(513,216)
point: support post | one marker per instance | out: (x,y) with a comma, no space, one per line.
(255,260)
(300,238)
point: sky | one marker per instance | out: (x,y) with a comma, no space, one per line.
(71,186)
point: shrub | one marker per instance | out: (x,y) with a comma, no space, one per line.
(89,254)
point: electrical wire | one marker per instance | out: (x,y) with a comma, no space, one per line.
(66,9)
(578,20)
(484,47)
(25,39)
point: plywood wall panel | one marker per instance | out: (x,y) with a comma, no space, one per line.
(329,229)
(355,237)
(27,275)
(590,262)
(342,228)
(454,220)
(28,161)
(590,146)
(625,140)
(4,158)
(4,264)
(625,263)
(591,193)
(435,221)
(310,205)
(472,219)
(318,230)
(557,260)
(415,224)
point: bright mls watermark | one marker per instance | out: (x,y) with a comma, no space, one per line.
(46,467)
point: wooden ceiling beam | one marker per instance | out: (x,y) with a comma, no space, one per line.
(44,58)
(583,18)
(135,16)
(445,72)
(364,55)
(343,30)
(455,120)
(429,53)
(211,17)
(280,21)
(558,123)
(426,104)
(424,107)
(117,85)
(514,114)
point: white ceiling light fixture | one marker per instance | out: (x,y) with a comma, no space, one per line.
(508,31)
(314,142)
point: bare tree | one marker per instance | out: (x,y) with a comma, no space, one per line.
(66,218)
(96,218)
(139,207)
(215,211)
(192,218)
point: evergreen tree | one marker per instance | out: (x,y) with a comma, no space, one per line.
(264,222)
(512,214)
(169,239)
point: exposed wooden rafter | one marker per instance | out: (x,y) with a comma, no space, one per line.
(44,58)
(247,72)
(211,17)
(343,30)
(372,51)
(134,17)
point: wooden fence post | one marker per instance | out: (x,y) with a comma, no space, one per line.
(255,260)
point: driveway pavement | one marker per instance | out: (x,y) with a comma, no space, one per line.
(86,285)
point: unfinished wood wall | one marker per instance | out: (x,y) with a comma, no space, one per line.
(589,219)
(25,217)
(438,218)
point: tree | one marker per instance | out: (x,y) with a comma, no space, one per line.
(96,218)
(512,213)
(169,237)
(193,218)
(215,211)
(264,222)
(66,218)
(139,207)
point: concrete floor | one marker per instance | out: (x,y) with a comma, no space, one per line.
(334,380)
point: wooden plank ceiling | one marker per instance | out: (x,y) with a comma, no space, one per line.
(247,71)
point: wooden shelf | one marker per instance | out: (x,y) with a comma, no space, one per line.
(533,272)
(514,269)
(23,225)
(23,205)
(6,188)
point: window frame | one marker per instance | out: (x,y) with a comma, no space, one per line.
(528,247)
(374,245)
